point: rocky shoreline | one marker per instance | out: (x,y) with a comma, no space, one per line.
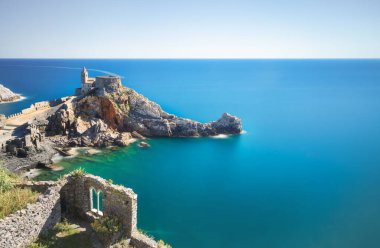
(110,116)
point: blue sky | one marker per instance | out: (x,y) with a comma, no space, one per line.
(190,29)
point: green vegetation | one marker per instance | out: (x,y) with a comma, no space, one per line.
(120,101)
(12,198)
(37,245)
(63,235)
(6,180)
(63,226)
(78,173)
(106,228)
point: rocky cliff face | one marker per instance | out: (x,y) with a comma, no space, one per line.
(6,95)
(137,113)
(110,116)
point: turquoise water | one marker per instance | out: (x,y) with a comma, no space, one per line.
(305,174)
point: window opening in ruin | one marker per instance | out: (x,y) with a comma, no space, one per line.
(93,200)
(100,202)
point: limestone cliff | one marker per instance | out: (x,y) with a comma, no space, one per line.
(6,95)
(104,117)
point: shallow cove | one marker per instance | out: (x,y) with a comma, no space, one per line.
(304,175)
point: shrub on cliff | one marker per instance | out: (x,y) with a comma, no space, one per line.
(6,181)
(80,172)
(16,199)
(106,228)
(12,198)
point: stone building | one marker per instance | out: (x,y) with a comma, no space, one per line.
(108,83)
(87,83)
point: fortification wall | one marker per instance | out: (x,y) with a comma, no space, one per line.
(39,106)
(24,226)
(108,83)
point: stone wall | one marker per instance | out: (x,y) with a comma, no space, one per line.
(39,106)
(71,197)
(24,226)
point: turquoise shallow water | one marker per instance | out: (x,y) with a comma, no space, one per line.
(305,174)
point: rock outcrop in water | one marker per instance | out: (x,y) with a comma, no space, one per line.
(108,117)
(6,95)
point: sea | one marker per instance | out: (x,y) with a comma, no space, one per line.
(305,173)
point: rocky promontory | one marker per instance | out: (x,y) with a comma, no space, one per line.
(104,116)
(112,116)
(6,95)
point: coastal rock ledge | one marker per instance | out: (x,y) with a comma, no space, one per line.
(6,95)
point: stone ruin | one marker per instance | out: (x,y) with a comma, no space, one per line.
(73,197)
(31,141)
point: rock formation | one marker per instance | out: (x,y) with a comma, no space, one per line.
(112,115)
(6,95)
(109,116)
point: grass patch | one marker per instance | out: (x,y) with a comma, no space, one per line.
(63,227)
(6,180)
(63,235)
(13,199)
(16,199)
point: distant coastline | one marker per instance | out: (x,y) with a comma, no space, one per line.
(16,100)
(7,95)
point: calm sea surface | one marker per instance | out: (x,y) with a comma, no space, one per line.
(305,174)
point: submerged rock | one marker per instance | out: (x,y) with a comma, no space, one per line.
(143,144)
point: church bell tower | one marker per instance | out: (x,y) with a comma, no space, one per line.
(84,75)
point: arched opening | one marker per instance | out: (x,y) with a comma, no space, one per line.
(93,200)
(100,202)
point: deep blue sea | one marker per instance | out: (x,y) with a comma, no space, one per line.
(306,174)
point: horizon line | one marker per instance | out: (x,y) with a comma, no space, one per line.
(156,58)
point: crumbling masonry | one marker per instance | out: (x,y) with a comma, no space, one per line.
(71,196)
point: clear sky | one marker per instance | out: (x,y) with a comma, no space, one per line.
(190,29)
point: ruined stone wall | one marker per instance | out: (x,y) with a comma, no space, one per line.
(24,226)
(108,83)
(71,196)
(118,201)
